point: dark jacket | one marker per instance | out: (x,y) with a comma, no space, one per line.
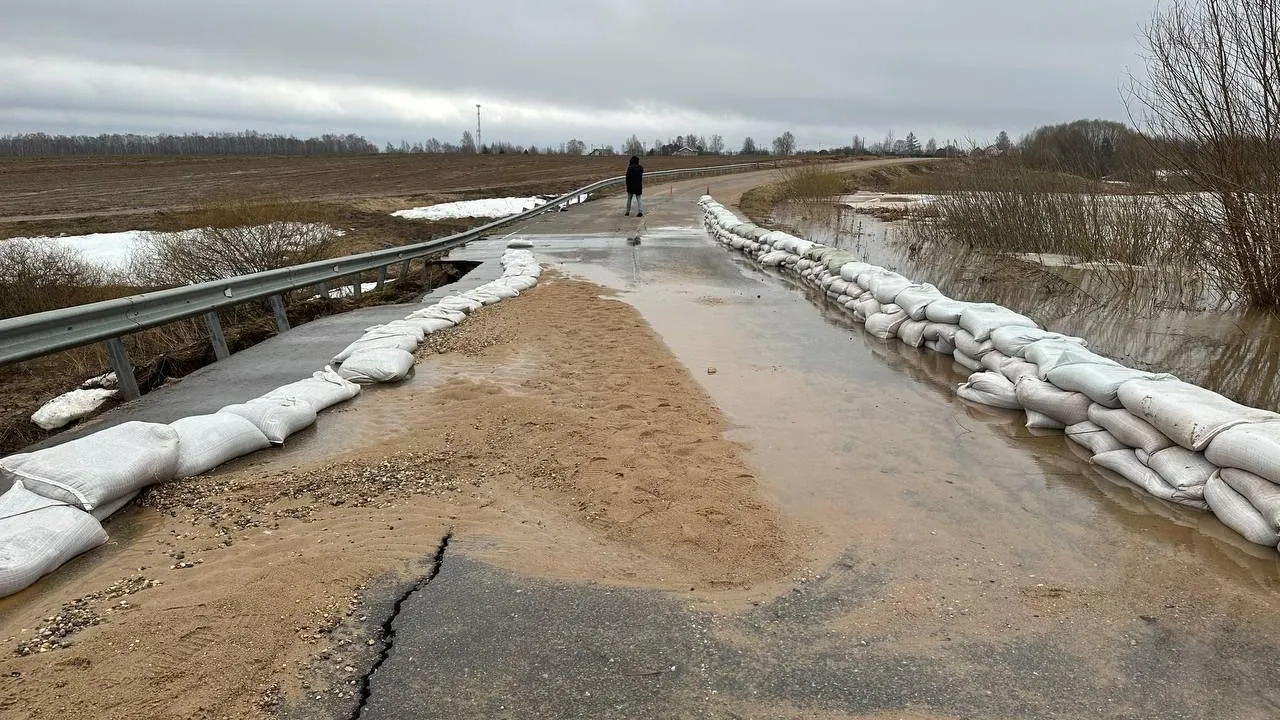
(635,179)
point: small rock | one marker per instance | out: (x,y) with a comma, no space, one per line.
(711,370)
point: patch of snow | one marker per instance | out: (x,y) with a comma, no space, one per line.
(349,290)
(519,243)
(107,380)
(486,208)
(69,407)
(865,200)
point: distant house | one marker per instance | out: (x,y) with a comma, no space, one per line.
(602,152)
(684,151)
(950,151)
(993,151)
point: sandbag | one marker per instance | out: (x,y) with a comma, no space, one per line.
(1125,464)
(207,441)
(436,311)
(1013,339)
(1067,408)
(1094,437)
(1051,354)
(1254,447)
(104,511)
(1180,467)
(940,346)
(886,286)
(946,311)
(377,340)
(772,259)
(982,318)
(486,297)
(276,417)
(1101,382)
(501,289)
(988,388)
(431,325)
(378,365)
(96,469)
(38,534)
(967,344)
(885,325)
(460,303)
(851,270)
(1189,415)
(911,332)
(1237,512)
(1016,368)
(869,307)
(325,388)
(1040,421)
(1132,431)
(399,327)
(941,331)
(1261,493)
(915,299)
(994,360)
(971,364)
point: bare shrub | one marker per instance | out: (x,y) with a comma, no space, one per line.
(809,183)
(236,236)
(35,277)
(1211,103)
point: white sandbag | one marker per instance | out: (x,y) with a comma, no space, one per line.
(911,332)
(1101,382)
(1094,437)
(869,307)
(1180,467)
(436,311)
(325,388)
(1013,339)
(1132,431)
(1189,415)
(804,265)
(1040,421)
(1051,354)
(971,364)
(838,286)
(940,346)
(886,286)
(276,417)
(994,360)
(1125,464)
(890,308)
(38,534)
(982,318)
(1016,368)
(499,288)
(1254,447)
(431,325)
(915,299)
(486,297)
(988,388)
(1237,512)
(885,325)
(378,365)
(399,327)
(104,511)
(96,469)
(520,283)
(851,270)
(207,441)
(1145,459)
(772,259)
(946,311)
(967,344)
(1261,493)
(377,340)
(1068,408)
(460,303)
(941,331)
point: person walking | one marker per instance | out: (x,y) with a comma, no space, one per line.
(635,186)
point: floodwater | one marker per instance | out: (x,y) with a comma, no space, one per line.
(1233,352)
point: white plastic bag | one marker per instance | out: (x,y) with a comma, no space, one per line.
(1254,447)
(276,417)
(377,365)
(38,534)
(96,469)
(1189,415)
(325,388)
(207,441)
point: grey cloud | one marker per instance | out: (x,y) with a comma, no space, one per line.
(827,69)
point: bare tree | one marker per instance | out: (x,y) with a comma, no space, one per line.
(749,146)
(575,147)
(1211,103)
(468,142)
(634,146)
(931,147)
(1003,142)
(784,144)
(715,145)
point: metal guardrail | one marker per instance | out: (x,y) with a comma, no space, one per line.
(39,334)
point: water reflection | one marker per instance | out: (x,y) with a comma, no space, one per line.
(1235,352)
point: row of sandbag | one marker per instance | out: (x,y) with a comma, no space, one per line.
(55,499)
(1177,441)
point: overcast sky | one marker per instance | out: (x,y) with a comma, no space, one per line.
(549,70)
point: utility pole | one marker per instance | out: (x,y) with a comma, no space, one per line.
(479,139)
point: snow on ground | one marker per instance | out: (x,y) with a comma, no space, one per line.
(486,208)
(349,290)
(865,200)
(69,407)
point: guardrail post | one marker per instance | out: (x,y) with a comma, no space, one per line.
(404,270)
(382,276)
(216,338)
(356,290)
(119,357)
(323,287)
(282,319)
